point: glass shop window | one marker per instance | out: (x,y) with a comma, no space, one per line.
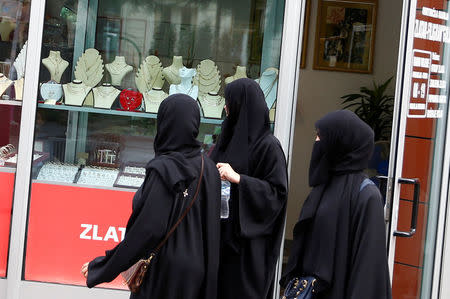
(106,67)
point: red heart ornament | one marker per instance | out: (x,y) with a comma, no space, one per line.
(130,100)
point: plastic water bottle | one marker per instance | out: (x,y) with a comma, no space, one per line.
(225,198)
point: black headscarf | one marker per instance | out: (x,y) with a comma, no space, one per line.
(338,159)
(176,141)
(246,125)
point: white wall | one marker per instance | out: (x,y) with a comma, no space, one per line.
(320,92)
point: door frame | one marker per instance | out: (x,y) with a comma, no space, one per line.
(402,94)
(287,94)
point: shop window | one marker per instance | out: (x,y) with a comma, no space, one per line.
(106,66)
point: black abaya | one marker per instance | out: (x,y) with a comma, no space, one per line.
(251,236)
(340,236)
(187,265)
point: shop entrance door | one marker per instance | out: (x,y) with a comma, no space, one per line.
(418,180)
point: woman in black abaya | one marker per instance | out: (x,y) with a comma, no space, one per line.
(251,158)
(187,265)
(340,236)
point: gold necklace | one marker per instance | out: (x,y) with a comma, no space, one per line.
(115,68)
(76,88)
(156,96)
(105,91)
(188,92)
(173,72)
(214,81)
(212,101)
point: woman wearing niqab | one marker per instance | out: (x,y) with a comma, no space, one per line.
(340,236)
(251,158)
(187,265)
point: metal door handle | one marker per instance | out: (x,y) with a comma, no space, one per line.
(415,208)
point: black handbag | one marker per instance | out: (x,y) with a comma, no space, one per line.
(300,288)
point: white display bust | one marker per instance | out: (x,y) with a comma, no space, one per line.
(55,65)
(51,92)
(153,99)
(89,68)
(105,95)
(171,73)
(212,104)
(4,83)
(150,74)
(75,93)
(18,88)
(7,25)
(19,62)
(118,70)
(241,72)
(269,84)
(186,85)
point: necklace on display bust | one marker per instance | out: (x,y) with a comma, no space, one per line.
(51,92)
(118,70)
(75,93)
(171,73)
(186,86)
(89,67)
(212,105)
(153,99)
(55,65)
(130,100)
(241,72)
(207,76)
(207,69)
(5,83)
(105,95)
(18,88)
(149,74)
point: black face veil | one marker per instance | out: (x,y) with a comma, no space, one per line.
(246,124)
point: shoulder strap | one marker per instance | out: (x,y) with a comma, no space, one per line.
(365,183)
(184,213)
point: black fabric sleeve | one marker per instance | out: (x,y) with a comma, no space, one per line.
(211,228)
(369,273)
(148,229)
(262,197)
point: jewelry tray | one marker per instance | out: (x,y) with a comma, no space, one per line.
(43,156)
(122,173)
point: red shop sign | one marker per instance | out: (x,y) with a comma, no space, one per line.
(6,196)
(70,225)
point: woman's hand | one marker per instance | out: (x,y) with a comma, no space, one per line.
(84,270)
(227,173)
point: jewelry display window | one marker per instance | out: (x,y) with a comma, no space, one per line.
(111,82)
(105,68)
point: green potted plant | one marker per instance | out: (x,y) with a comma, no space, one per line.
(375,107)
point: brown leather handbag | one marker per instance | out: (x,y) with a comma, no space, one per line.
(134,276)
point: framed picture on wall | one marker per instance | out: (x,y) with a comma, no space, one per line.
(305,34)
(345,35)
